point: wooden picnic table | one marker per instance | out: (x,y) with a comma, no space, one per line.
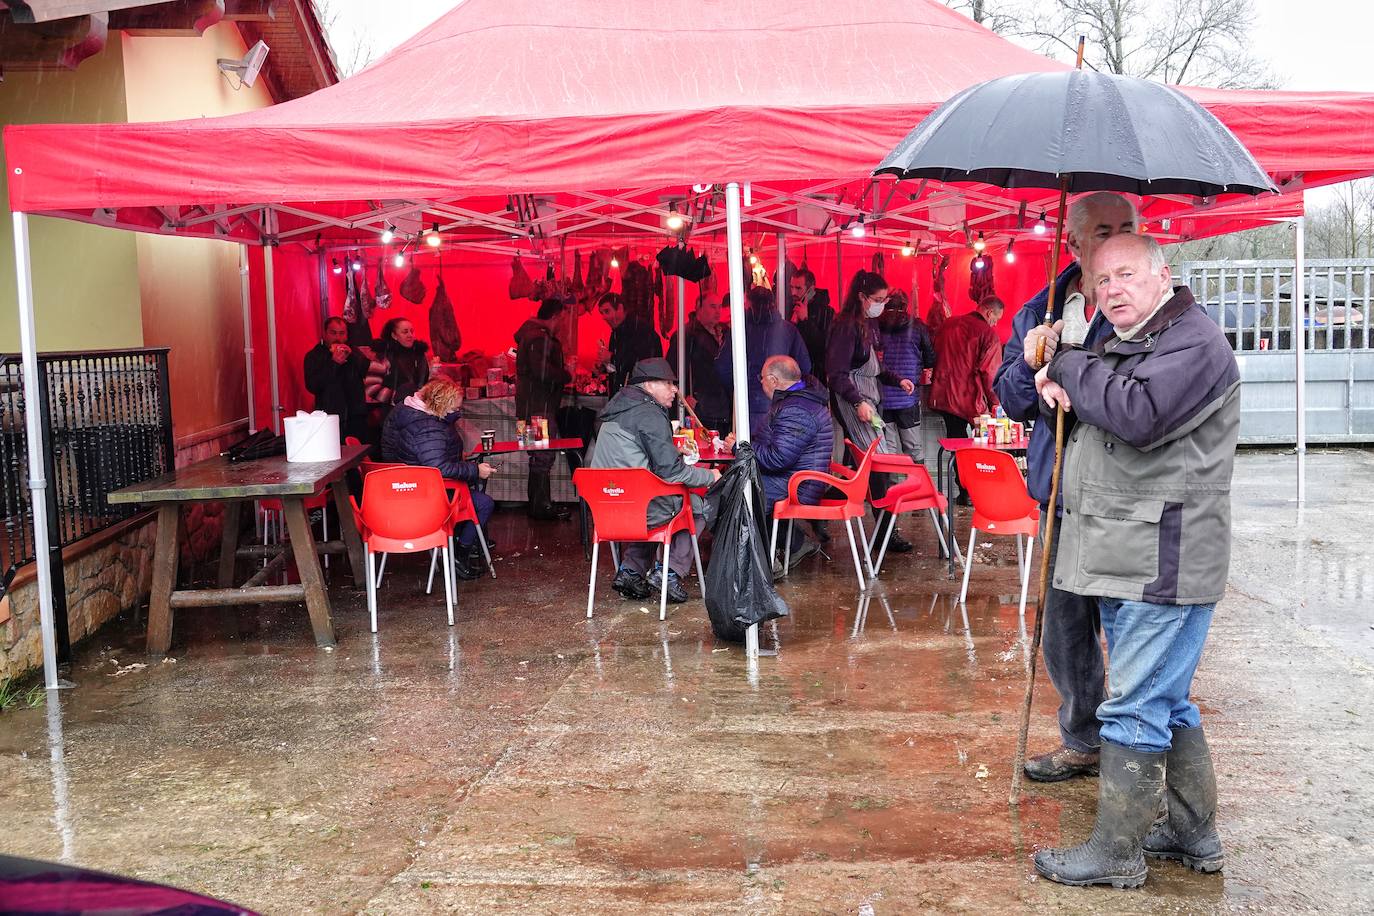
(235,484)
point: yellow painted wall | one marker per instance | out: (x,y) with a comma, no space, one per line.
(190,287)
(86,289)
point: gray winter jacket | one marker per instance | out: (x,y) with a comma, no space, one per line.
(635,433)
(1147,467)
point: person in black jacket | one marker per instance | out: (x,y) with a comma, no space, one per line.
(813,316)
(334,374)
(632,339)
(540,374)
(708,395)
(420,431)
(406,358)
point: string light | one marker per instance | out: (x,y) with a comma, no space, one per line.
(338,268)
(979,244)
(388,233)
(753,260)
(907,251)
(615,263)
(357,261)
(675,221)
(400,259)
(1010,255)
(1040,228)
(857,228)
(432,237)
(979,263)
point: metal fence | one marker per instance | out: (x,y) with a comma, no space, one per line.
(1252,302)
(107,423)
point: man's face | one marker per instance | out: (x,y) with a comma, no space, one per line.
(798,288)
(664,393)
(1127,290)
(612,315)
(708,313)
(769,383)
(1104,221)
(335,333)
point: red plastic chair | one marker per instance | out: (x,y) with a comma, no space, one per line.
(853,487)
(1001,505)
(463,511)
(405,510)
(619,502)
(914,493)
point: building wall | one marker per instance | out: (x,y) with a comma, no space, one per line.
(190,288)
(85,278)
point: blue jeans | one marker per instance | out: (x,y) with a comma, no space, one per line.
(1152,653)
(482,504)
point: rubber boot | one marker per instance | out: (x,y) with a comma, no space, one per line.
(1130,787)
(541,506)
(1188,830)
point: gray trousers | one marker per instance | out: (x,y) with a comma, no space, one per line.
(641,557)
(1072,647)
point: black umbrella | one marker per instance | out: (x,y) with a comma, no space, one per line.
(1101,131)
(1076,131)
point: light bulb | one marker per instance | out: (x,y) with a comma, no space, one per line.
(857,230)
(615,263)
(357,263)
(979,244)
(400,259)
(338,268)
(978,263)
(433,240)
(907,251)
(1010,255)
(1040,228)
(388,234)
(675,220)
(753,260)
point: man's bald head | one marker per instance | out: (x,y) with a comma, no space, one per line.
(779,373)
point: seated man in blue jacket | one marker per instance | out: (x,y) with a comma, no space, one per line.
(796,435)
(420,431)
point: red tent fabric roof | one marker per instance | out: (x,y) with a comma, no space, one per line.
(509,96)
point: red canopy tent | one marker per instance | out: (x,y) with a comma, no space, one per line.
(512,123)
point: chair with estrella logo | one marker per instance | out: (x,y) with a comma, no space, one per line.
(1001,506)
(619,502)
(405,510)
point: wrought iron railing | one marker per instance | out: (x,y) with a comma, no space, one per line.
(107,423)
(1252,302)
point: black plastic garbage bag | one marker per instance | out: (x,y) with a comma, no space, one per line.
(739,579)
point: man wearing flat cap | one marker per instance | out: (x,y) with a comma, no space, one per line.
(635,433)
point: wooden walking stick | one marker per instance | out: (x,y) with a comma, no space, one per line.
(1019,763)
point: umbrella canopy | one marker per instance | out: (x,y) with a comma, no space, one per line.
(1319,288)
(1104,132)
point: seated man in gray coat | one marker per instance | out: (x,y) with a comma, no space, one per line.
(635,433)
(1147,531)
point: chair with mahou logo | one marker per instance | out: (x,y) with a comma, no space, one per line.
(619,502)
(405,510)
(1001,506)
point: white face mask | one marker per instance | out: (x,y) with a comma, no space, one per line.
(875,309)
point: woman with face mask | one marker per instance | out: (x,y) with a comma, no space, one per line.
(852,366)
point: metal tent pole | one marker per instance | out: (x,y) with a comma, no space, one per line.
(33,426)
(839,272)
(734,237)
(682,345)
(246,295)
(272,336)
(781,277)
(1300,346)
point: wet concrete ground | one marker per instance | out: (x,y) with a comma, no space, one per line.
(528,760)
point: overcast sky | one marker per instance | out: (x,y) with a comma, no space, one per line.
(1314,44)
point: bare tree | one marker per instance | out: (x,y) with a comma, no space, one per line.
(1189,42)
(1344,227)
(1000,16)
(353,49)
